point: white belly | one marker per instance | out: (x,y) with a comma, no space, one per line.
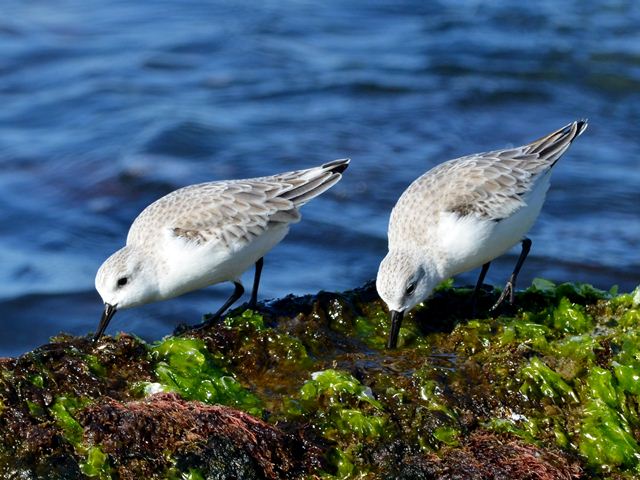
(192,267)
(469,242)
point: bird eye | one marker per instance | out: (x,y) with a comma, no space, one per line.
(411,288)
(122,281)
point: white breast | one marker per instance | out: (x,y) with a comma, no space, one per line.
(470,241)
(191,266)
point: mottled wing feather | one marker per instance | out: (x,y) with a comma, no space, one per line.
(490,185)
(191,235)
(241,212)
(233,213)
(494,184)
(228,213)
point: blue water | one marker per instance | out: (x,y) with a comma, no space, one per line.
(107,105)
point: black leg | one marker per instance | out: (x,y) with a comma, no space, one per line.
(256,283)
(237,293)
(510,287)
(474,295)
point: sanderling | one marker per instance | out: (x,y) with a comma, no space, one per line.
(205,234)
(462,214)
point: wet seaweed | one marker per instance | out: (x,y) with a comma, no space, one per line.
(303,387)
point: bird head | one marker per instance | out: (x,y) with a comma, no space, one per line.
(404,280)
(124,280)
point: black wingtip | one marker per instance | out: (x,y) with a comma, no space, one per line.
(337,166)
(581,125)
(573,130)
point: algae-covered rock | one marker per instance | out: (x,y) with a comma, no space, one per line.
(304,388)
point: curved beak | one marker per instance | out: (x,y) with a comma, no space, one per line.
(396,322)
(109,311)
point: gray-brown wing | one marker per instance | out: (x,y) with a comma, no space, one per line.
(494,184)
(234,212)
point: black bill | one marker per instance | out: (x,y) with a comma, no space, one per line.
(109,311)
(396,323)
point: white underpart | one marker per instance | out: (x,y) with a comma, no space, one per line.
(471,241)
(190,266)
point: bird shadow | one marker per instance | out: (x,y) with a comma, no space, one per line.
(449,307)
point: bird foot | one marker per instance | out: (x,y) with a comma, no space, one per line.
(508,291)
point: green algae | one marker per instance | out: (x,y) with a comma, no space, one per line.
(569,317)
(508,425)
(63,411)
(340,407)
(630,318)
(605,437)
(185,366)
(628,377)
(35,409)
(247,320)
(579,348)
(598,394)
(93,462)
(37,380)
(373,328)
(356,423)
(345,412)
(95,366)
(524,330)
(279,349)
(343,463)
(96,464)
(447,435)
(541,381)
(562,370)
(336,388)
(431,393)
(575,291)
(286,349)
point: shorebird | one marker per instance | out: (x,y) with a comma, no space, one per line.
(205,234)
(462,214)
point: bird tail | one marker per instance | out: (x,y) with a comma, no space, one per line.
(307,184)
(552,146)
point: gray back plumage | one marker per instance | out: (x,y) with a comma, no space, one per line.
(492,185)
(233,212)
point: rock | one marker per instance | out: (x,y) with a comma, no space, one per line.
(304,388)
